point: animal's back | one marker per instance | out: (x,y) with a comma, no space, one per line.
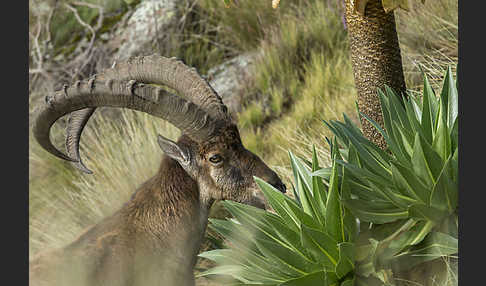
(143,243)
(100,256)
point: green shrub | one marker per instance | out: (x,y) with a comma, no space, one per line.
(405,199)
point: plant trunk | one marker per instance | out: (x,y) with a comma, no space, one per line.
(376,60)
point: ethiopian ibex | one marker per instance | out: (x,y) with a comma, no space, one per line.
(155,237)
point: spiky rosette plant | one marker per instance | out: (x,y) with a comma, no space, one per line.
(408,193)
(405,198)
(307,241)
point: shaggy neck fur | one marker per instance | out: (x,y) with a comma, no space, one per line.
(170,214)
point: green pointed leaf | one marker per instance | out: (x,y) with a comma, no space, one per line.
(303,217)
(232,270)
(306,199)
(415,123)
(248,274)
(220,256)
(236,235)
(318,188)
(449,97)
(429,213)
(389,231)
(288,235)
(442,141)
(419,231)
(425,162)
(397,107)
(376,212)
(363,173)
(324,173)
(412,236)
(382,156)
(254,222)
(398,148)
(391,138)
(332,125)
(454,135)
(428,112)
(367,157)
(353,128)
(455,166)
(346,259)
(364,191)
(316,278)
(407,139)
(296,196)
(321,245)
(290,259)
(353,157)
(258,261)
(408,184)
(435,245)
(298,168)
(444,194)
(389,141)
(368,281)
(349,220)
(276,200)
(416,106)
(391,195)
(334,213)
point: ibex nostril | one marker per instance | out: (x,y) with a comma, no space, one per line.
(280,186)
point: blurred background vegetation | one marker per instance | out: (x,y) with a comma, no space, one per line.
(301,75)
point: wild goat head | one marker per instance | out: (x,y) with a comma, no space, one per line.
(210,148)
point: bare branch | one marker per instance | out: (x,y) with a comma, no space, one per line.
(87,55)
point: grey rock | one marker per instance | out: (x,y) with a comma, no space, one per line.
(148,23)
(229,80)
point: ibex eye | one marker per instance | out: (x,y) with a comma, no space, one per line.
(215,159)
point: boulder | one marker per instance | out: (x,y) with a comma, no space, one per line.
(229,80)
(149,23)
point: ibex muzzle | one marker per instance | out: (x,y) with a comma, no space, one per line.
(155,237)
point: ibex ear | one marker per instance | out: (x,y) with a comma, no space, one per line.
(177,152)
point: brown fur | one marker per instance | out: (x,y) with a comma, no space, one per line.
(155,237)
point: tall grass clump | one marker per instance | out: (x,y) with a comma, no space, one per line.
(302,76)
(195,38)
(241,25)
(428,36)
(122,153)
(291,44)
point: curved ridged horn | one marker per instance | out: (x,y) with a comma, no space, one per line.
(150,69)
(173,73)
(75,125)
(185,115)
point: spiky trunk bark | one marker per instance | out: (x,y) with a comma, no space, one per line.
(376,60)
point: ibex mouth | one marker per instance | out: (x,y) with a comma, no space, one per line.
(257,199)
